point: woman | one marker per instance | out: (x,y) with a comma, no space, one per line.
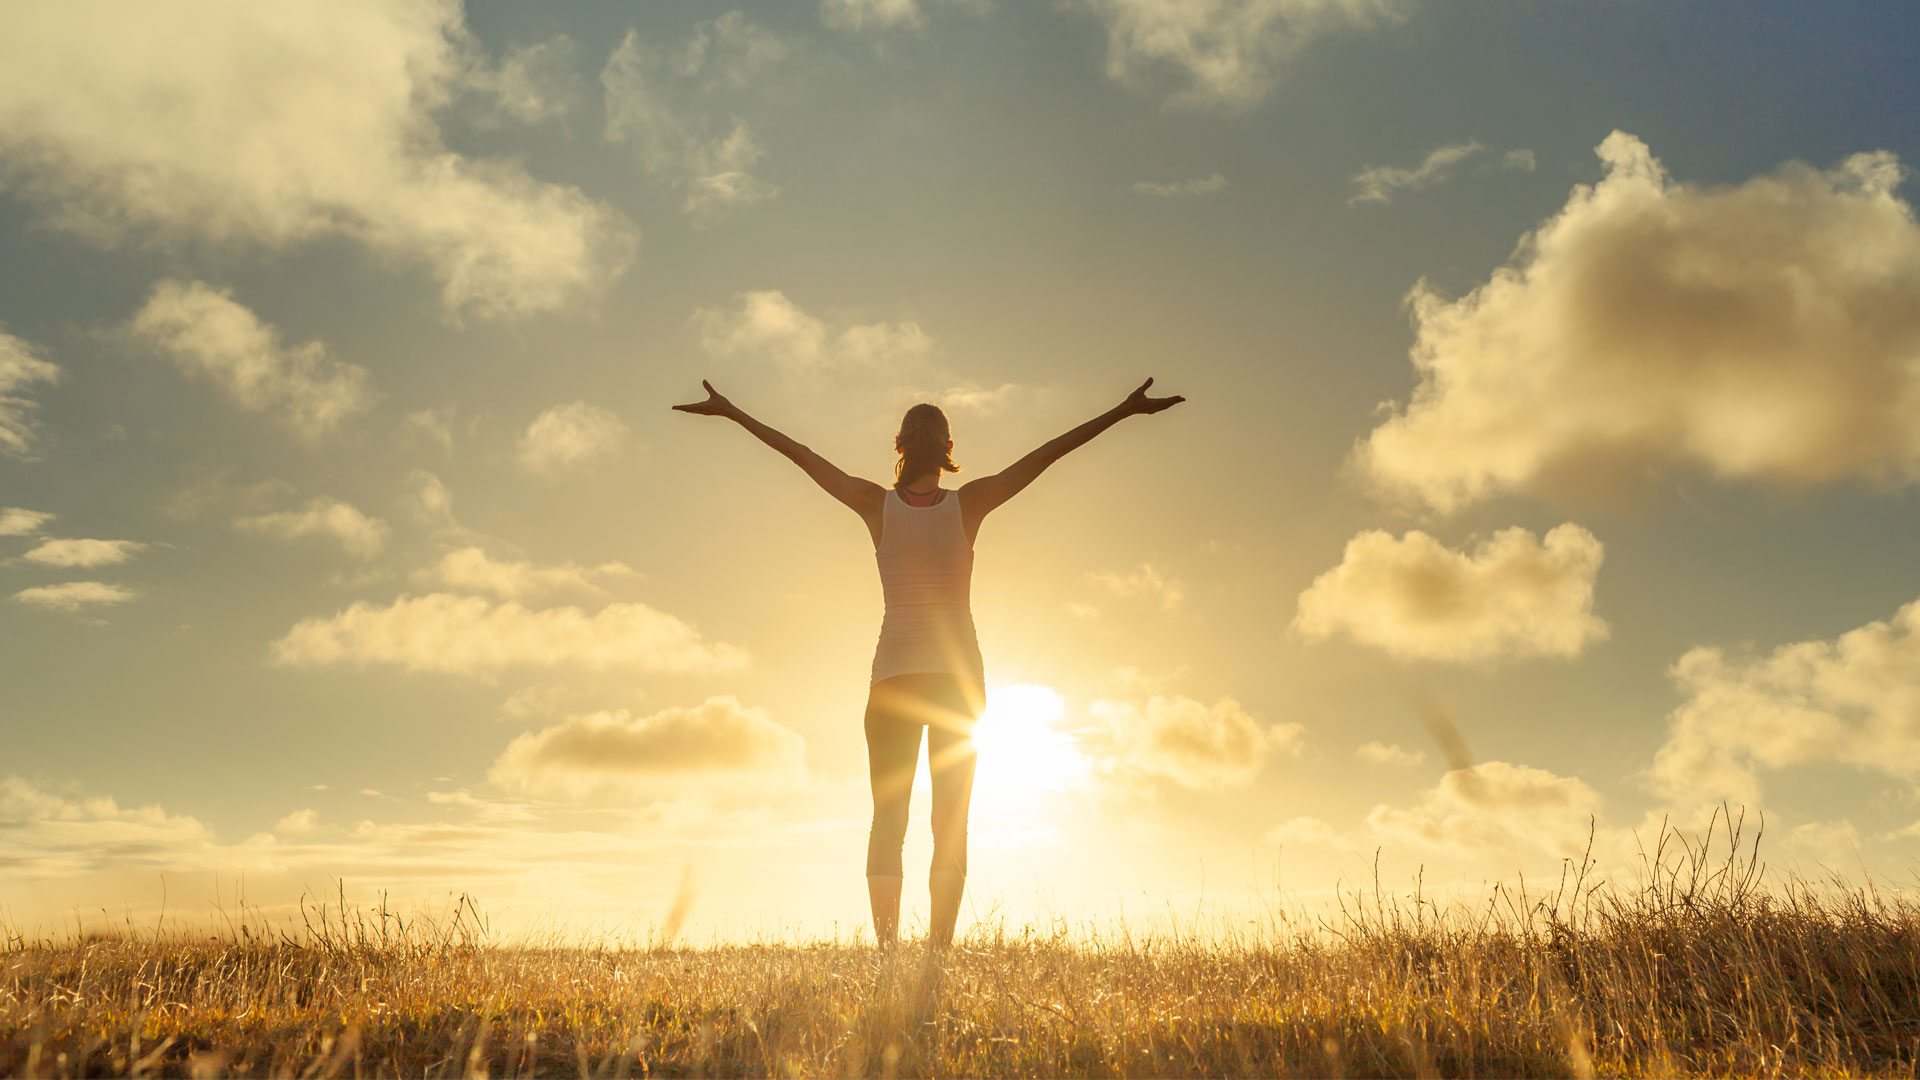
(927,672)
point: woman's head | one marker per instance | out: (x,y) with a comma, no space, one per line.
(925,444)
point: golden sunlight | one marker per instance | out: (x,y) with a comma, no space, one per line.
(1023,753)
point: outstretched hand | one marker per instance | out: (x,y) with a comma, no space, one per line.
(1138,403)
(715,405)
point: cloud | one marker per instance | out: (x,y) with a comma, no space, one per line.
(666,102)
(207,333)
(432,502)
(1381,753)
(1761,332)
(569,435)
(470,569)
(1182,189)
(1494,807)
(767,324)
(70,596)
(1512,596)
(465,635)
(720,741)
(363,537)
(1852,700)
(235,122)
(83,552)
(1145,581)
(1188,742)
(1378,183)
(15,521)
(1228,53)
(871,14)
(20,367)
(534,83)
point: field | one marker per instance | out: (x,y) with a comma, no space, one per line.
(1701,968)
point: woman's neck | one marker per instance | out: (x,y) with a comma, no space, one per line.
(924,484)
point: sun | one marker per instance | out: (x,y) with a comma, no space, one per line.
(1023,752)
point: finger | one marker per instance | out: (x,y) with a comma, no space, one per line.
(709,387)
(1144,385)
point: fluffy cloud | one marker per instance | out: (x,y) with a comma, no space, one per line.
(470,569)
(964,397)
(1188,742)
(15,521)
(464,635)
(362,536)
(766,323)
(1228,52)
(1854,699)
(1378,183)
(20,368)
(569,435)
(83,552)
(71,596)
(207,333)
(669,103)
(1182,189)
(1761,332)
(1413,597)
(276,124)
(1381,753)
(1494,807)
(651,756)
(534,83)
(1145,581)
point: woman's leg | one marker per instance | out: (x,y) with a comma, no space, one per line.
(951,756)
(893,752)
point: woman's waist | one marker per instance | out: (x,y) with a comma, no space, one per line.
(927,615)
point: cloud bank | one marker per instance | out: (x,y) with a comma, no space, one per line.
(83,552)
(471,569)
(20,368)
(72,596)
(766,324)
(666,753)
(1188,742)
(361,536)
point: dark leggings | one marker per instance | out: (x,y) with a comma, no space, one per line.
(897,710)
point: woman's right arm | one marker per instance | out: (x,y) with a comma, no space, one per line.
(863,497)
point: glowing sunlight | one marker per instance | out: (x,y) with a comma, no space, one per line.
(1023,752)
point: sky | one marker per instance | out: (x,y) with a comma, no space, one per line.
(1546,475)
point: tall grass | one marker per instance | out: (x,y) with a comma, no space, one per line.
(1699,968)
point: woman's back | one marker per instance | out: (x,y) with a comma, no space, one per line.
(926,574)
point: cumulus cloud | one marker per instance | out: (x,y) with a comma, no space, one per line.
(20,368)
(471,569)
(1761,332)
(1182,189)
(767,324)
(650,756)
(1381,753)
(670,103)
(363,537)
(1144,581)
(83,552)
(1495,807)
(569,435)
(533,83)
(1228,54)
(1854,699)
(72,596)
(1512,596)
(16,521)
(1377,183)
(171,126)
(465,635)
(209,334)
(1188,742)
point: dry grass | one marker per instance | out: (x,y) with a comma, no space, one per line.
(1699,970)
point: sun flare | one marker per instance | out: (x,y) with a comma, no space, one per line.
(1023,752)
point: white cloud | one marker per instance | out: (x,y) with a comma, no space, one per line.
(1381,753)
(15,521)
(1182,189)
(1853,699)
(765,323)
(665,753)
(1229,53)
(73,596)
(534,83)
(1761,332)
(464,635)
(1188,742)
(363,537)
(432,502)
(229,121)
(1144,581)
(207,333)
(1495,807)
(1378,183)
(20,368)
(1413,597)
(83,552)
(871,14)
(667,103)
(569,435)
(470,569)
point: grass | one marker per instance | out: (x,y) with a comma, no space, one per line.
(1701,968)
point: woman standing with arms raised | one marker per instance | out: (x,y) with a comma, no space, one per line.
(927,670)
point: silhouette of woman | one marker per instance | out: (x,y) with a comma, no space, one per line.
(927,671)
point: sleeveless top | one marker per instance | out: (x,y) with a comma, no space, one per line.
(926,572)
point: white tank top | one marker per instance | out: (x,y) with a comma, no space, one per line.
(926,571)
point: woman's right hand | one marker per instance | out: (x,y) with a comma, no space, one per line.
(715,405)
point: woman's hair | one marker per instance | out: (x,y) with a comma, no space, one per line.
(922,443)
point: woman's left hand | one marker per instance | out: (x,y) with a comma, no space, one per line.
(1139,403)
